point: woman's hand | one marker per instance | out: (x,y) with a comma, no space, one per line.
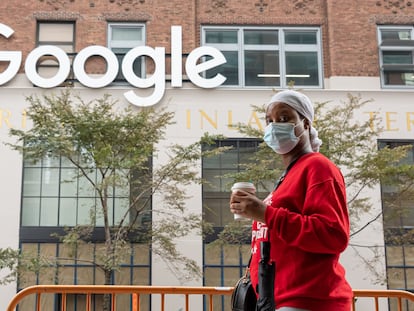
(247,205)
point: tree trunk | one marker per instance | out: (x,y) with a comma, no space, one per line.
(106,304)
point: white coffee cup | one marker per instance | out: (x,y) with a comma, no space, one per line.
(246,186)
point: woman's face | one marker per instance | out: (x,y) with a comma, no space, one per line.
(280,112)
(283,113)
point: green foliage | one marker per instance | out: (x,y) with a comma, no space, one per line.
(353,146)
(118,144)
(9,259)
(236,232)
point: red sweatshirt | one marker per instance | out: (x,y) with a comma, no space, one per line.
(308,225)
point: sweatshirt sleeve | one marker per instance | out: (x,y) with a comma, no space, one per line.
(315,216)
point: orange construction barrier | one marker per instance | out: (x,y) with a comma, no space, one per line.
(398,296)
(114,291)
(395,296)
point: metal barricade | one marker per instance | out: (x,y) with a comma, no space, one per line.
(399,297)
(113,291)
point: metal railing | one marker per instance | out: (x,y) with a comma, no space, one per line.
(114,290)
(399,296)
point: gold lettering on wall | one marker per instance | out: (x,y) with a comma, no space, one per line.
(230,124)
(204,115)
(5,116)
(410,120)
(188,118)
(371,116)
(392,118)
(8,120)
(215,119)
(392,121)
(389,120)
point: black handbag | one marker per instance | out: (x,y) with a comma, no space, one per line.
(243,297)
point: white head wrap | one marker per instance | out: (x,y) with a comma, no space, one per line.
(303,105)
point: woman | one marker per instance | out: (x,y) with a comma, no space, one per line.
(305,218)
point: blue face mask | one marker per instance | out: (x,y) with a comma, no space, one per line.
(281,136)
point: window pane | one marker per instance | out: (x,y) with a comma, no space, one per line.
(211,212)
(69,185)
(67,212)
(121,210)
(262,68)
(409,255)
(261,37)
(396,278)
(300,37)
(398,78)
(126,33)
(31,183)
(247,149)
(217,182)
(57,32)
(221,36)
(408,213)
(30,211)
(85,275)
(410,278)
(302,68)
(141,254)
(217,211)
(85,187)
(397,57)
(49,212)
(122,189)
(395,34)
(211,162)
(230,159)
(86,208)
(230,69)
(394,255)
(50,182)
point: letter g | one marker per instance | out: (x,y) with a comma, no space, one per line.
(14,57)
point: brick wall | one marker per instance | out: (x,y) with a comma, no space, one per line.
(348,27)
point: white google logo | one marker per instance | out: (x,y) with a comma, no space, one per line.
(156,80)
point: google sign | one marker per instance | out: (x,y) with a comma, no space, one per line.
(157,80)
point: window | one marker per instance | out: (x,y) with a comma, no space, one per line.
(60,34)
(224,264)
(56,194)
(214,169)
(267,57)
(61,268)
(123,37)
(396,46)
(398,216)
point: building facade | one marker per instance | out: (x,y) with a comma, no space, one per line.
(149,54)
